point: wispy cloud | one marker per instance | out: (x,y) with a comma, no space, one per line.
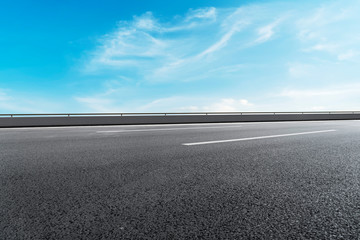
(223,40)
(146,22)
(332,29)
(347,55)
(333,97)
(220,52)
(266,32)
(202,13)
(155,50)
(277,55)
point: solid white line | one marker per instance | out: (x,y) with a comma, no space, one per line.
(160,129)
(254,138)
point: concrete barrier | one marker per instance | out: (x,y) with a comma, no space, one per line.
(126,120)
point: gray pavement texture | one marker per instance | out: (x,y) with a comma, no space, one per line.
(112,182)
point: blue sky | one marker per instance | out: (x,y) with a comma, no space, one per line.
(152,56)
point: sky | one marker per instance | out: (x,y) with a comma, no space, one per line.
(179,56)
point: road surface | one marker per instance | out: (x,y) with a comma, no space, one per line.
(276,180)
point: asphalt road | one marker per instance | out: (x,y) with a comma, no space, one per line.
(283,180)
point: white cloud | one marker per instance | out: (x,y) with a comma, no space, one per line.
(167,104)
(332,28)
(202,13)
(347,55)
(336,97)
(229,68)
(322,47)
(329,91)
(146,22)
(267,31)
(148,47)
(221,105)
(224,39)
(219,47)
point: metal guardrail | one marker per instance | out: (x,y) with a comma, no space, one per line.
(173,113)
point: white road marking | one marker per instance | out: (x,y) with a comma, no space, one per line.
(255,138)
(160,129)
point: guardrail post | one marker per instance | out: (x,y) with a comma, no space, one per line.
(68,115)
(11,115)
